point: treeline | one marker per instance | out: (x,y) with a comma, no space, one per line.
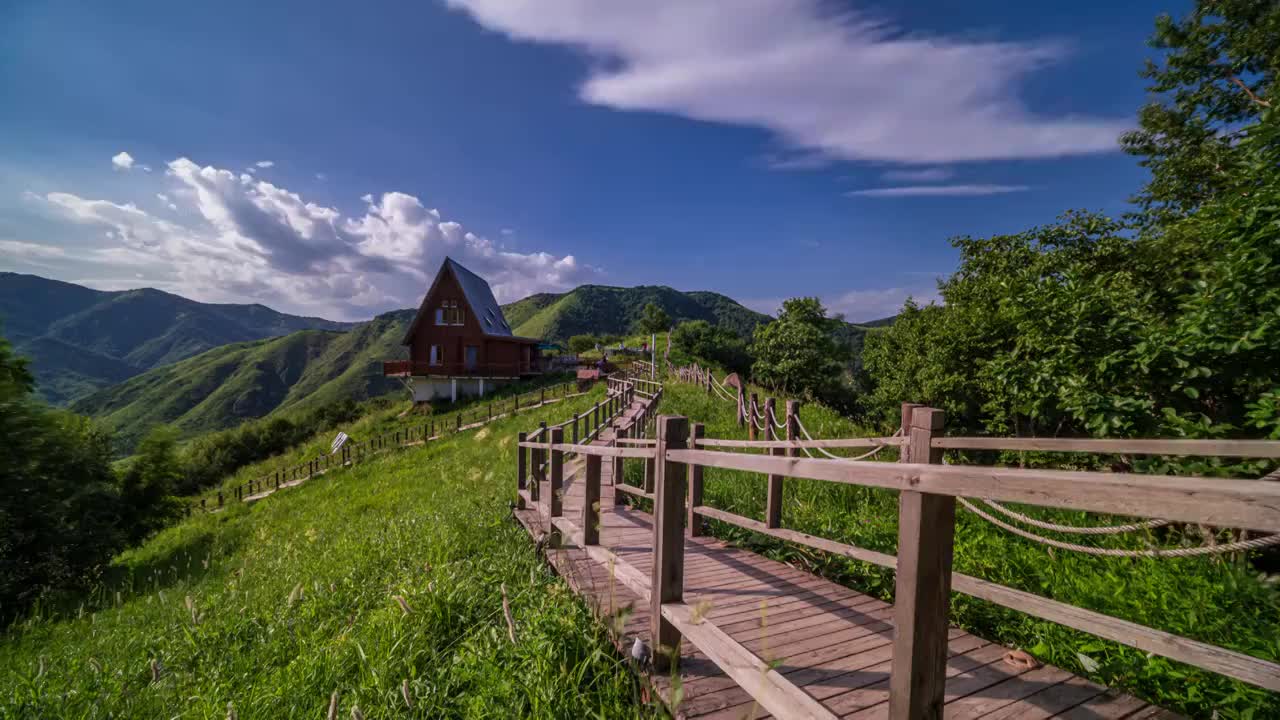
(67,506)
(64,509)
(1164,322)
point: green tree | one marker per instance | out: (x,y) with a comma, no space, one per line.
(653,319)
(149,484)
(582,343)
(59,505)
(1215,77)
(798,354)
(700,340)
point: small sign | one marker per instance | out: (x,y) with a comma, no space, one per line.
(338,442)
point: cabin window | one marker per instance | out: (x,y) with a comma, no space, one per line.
(435,355)
(449,313)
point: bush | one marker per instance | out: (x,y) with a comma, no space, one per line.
(700,340)
(582,343)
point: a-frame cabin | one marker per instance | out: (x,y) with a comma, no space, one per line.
(459,342)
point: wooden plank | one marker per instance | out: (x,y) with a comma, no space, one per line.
(774,692)
(632,490)
(1135,446)
(667,578)
(1233,664)
(926,530)
(1211,501)
(849,551)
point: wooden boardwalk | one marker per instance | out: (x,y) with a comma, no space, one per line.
(832,642)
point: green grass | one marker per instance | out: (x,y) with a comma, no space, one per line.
(294,598)
(395,417)
(1220,602)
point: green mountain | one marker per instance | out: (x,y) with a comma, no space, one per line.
(81,340)
(600,309)
(227,385)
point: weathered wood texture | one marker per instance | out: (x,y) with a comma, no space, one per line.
(800,633)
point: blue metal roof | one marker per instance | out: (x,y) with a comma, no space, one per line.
(483,304)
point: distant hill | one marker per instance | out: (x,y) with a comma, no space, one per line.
(81,340)
(225,386)
(600,309)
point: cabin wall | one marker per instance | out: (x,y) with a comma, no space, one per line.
(452,338)
(507,353)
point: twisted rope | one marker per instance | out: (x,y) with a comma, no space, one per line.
(1105,530)
(863,456)
(1253,544)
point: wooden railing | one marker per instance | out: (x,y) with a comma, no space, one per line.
(928,491)
(353,451)
(545,448)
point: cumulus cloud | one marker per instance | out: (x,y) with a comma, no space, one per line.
(937,191)
(245,238)
(848,85)
(122,161)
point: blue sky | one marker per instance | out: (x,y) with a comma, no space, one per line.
(322,158)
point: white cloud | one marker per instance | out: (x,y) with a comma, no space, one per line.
(933,174)
(250,239)
(122,161)
(858,305)
(875,304)
(849,85)
(937,191)
(265,163)
(31,251)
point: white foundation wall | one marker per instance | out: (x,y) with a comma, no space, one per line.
(451,389)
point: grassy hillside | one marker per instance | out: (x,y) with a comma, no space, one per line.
(222,387)
(1223,603)
(81,339)
(272,608)
(599,309)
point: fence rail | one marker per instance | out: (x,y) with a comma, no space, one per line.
(354,451)
(928,492)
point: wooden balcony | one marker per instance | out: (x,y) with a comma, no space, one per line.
(409,368)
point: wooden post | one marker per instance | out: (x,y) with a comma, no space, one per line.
(650,473)
(773,503)
(591,502)
(617,477)
(536,460)
(751,417)
(696,432)
(926,530)
(595,422)
(522,470)
(220,498)
(575,429)
(491,410)
(741,404)
(517,405)
(667,579)
(542,396)
(556,501)
(458,427)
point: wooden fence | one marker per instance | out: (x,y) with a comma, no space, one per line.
(676,454)
(352,451)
